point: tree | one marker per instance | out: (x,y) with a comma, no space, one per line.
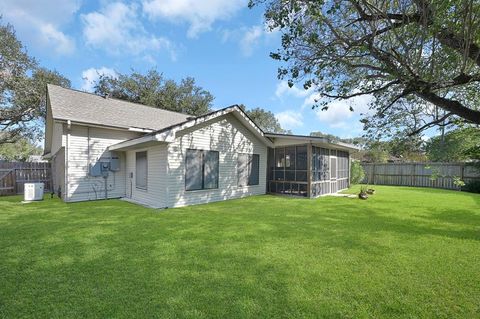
(457,145)
(419,59)
(22,89)
(154,90)
(266,120)
(20,150)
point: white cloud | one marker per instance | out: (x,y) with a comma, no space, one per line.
(40,22)
(284,90)
(290,119)
(250,39)
(200,15)
(90,76)
(117,29)
(338,113)
(62,43)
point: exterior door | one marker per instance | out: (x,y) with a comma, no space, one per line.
(333,171)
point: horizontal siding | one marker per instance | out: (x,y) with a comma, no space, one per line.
(154,195)
(85,146)
(227,136)
(57,137)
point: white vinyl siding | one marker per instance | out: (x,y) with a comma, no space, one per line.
(229,137)
(84,146)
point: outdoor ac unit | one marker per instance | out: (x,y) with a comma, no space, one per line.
(33,191)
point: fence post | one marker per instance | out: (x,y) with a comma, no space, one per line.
(412,177)
(373,174)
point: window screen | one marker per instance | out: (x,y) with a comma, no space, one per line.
(141,170)
(333,167)
(201,169)
(248,169)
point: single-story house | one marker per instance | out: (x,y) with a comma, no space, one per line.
(101,147)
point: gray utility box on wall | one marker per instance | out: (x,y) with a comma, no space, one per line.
(104,165)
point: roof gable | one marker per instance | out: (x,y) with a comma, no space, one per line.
(168,134)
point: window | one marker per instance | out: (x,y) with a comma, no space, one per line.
(141,169)
(201,170)
(248,169)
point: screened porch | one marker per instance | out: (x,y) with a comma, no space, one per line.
(307,170)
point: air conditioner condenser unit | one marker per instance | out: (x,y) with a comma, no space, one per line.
(33,191)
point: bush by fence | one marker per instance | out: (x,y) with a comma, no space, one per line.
(437,175)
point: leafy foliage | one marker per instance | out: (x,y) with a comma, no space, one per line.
(22,89)
(18,151)
(454,146)
(419,59)
(472,187)
(154,90)
(266,120)
(357,174)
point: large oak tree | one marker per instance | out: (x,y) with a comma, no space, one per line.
(420,59)
(153,89)
(22,89)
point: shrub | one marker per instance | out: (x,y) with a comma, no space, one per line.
(357,174)
(472,187)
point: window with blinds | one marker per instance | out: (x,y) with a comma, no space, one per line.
(201,169)
(141,170)
(248,169)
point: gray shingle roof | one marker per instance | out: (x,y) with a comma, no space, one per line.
(77,106)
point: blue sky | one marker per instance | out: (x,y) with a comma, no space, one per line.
(221,43)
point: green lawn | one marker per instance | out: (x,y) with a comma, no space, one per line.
(406,252)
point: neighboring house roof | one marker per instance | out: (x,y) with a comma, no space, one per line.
(83,107)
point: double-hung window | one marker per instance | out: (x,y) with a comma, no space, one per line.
(248,169)
(141,170)
(201,169)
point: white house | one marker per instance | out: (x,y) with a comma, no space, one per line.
(102,147)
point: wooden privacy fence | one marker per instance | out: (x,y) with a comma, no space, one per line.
(13,176)
(437,175)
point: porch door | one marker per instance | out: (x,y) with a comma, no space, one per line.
(333,171)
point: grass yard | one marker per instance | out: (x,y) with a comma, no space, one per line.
(405,252)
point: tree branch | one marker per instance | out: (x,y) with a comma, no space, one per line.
(430,124)
(451,106)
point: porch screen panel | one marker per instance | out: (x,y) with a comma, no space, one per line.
(333,167)
(301,164)
(342,164)
(141,170)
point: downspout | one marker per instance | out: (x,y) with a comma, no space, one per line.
(67,158)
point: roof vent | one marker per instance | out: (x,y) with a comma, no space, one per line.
(107,95)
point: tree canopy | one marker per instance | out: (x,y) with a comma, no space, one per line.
(19,151)
(266,120)
(419,59)
(22,89)
(153,89)
(457,145)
